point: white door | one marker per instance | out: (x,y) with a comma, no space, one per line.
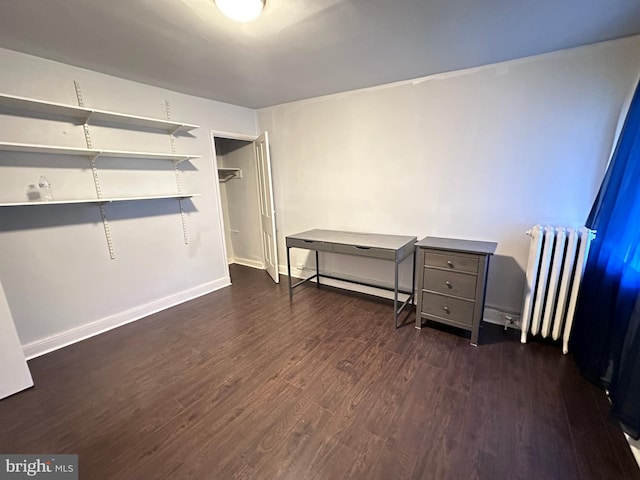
(267,208)
(14,372)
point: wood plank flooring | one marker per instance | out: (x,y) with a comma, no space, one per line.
(243,384)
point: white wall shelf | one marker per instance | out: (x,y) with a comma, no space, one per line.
(103,200)
(91,152)
(84,115)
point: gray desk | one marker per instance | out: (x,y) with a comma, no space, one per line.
(395,248)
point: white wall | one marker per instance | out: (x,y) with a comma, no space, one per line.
(59,280)
(480,154)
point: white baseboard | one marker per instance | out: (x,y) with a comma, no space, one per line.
(249,263)
(60,340)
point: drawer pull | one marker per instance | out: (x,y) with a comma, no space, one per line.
(308,241)
(446,309)
(450,263)
(448,284)
(363,248)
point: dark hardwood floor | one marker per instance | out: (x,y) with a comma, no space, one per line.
(243,384)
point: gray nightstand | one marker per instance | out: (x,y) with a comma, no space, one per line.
(452,277)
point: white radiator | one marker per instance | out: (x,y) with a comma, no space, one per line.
(557,258)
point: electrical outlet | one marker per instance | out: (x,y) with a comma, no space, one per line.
(300,266)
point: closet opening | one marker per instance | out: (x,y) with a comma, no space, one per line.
(246,200)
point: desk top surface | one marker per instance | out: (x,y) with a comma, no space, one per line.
(372,240)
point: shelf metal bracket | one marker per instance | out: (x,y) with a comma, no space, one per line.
(85,125)
(96,178)
(183,216)
(107,232)
(94,171)
(102,206)
(86,120)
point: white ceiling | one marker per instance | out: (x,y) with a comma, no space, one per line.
(301,48)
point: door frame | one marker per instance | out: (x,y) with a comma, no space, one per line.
(232,136)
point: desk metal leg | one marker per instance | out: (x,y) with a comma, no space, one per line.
(395,296)
(413,281)
(317,271)
(289,275)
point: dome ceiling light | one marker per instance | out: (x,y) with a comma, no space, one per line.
(241,10)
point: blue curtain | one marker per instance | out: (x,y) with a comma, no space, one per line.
(606,335)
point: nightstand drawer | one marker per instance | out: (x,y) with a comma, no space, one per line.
(450,283)
(458,261)
(447,308)
(383,253)
(309,244)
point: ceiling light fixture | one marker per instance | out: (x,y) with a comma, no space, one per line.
(241,10)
